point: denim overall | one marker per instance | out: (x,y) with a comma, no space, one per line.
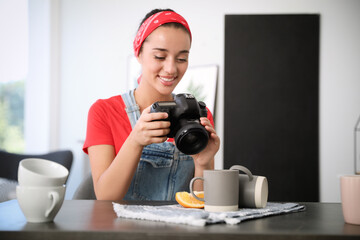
(162,171)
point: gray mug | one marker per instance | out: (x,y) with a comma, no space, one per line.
(253,190)
(221,190)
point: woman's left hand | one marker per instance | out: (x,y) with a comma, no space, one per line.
(205,159)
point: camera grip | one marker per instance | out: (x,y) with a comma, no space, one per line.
(203,109)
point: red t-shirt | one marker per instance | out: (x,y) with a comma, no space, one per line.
(108,123)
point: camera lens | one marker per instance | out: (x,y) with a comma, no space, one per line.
(191,138)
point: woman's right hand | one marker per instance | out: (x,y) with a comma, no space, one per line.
(147,131)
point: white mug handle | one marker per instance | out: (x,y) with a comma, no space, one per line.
(243,169)
(191,188)
(54,196)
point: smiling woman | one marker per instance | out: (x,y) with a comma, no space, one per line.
(130,155)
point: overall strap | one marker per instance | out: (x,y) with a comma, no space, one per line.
(132,109)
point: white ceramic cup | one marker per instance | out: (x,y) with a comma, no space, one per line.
(221,190)
(350,198)
(40,204)
(41,172)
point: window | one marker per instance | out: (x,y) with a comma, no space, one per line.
(13,72)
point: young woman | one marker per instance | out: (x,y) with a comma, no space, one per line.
(130,155)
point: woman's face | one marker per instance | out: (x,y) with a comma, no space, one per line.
(164,58)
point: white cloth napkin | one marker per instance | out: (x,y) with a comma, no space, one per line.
(199,217)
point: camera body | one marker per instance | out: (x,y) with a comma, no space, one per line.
(184,115)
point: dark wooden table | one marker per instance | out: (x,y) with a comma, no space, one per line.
(88,219)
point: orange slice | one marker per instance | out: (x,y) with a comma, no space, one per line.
(185,199)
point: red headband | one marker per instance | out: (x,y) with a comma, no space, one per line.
(153,22)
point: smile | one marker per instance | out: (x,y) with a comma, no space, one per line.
(167,79)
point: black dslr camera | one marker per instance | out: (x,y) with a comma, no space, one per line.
(184,115)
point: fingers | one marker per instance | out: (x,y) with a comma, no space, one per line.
(145,134)
(205,121)
(209,127)
(153,116)
(158,139)
(155,128)
(154,119)
(159,132)
(151,127)
(157,125)
(207,124)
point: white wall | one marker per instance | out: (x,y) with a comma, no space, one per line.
(96,41)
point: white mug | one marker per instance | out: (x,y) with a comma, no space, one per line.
(40,204)
(41,172)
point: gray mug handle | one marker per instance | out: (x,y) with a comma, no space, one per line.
(243,169)
(191,188)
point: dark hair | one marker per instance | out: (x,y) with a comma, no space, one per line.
(152,12)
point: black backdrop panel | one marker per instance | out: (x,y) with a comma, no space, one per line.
(271,101)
